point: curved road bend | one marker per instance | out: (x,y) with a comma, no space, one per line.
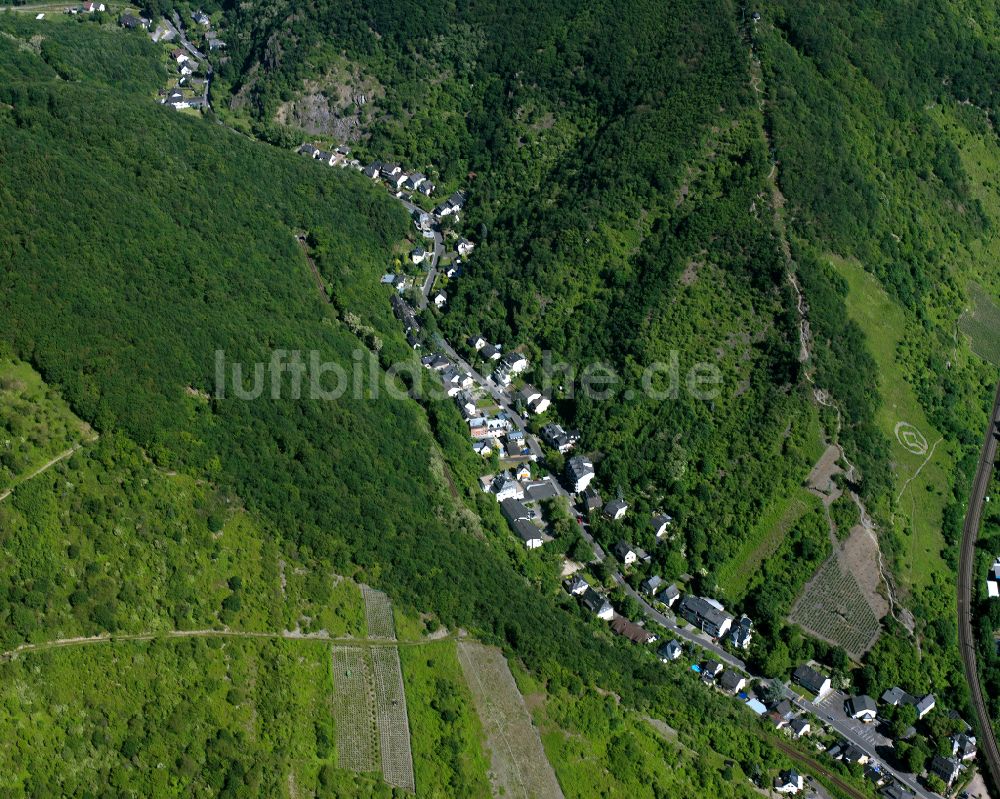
(966,577)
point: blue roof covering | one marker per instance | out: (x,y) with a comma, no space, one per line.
(757,707)
(695,667)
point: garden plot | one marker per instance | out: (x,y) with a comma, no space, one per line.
(519,765)
(391,718)
(354,710)
(833,607)
(378,614)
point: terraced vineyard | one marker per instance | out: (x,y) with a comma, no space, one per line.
(391,718)
(833,607)
(354,710)
(378,614)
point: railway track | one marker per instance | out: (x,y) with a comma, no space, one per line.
(816,768)
(988,751)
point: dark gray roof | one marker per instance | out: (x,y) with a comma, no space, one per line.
(541,489)
(730,679)
(809,678)
(593,601)
(857,704)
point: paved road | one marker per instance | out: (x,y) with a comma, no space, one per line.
(436,254)
(830,710)
(178,28)
(989,754)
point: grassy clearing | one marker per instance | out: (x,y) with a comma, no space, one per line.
(449,755)
(763,541)
(36,424)
(922,482)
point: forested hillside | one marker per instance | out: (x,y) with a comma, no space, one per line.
(135,242)
(643,179)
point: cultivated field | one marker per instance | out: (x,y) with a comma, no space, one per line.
(981,323)
(354,710)
(519,765)
(378,614)
(833,607)
(391,718)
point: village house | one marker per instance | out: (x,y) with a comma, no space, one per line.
(896,790)
(414,180)
(435,361)
(579,473)
(476,342)
(670,594)
(813,681)
(201,18)
(632,631)
(616,509)
(963,746)
(465,247)
(741,633)
(993,580)
(861,708)
(519,518)
(705,614)
(491,352)
(440,300)
(625,553)
(557,438)
(390,170)
(426,188)
(418,254)
(947,768)
(506,487)
(781,714)
(372,171)
(671,650)
(132,22)
(575,585)
(179,55)
(897,696)
(597,604)
(660,524)
(591,499)
(732,681)
(799,727)
(514,363)
(711,669)
(483,448)
(789,782)
(90,8)
(651,585)
(534,400)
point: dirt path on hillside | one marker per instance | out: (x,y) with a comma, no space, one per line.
(43,468)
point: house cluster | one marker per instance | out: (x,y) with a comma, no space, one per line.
(510,366)
(133,22)
(559,439)
(86,8)
(398,180)
(491,430)
(196,95)
(596,603)
(339,157)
